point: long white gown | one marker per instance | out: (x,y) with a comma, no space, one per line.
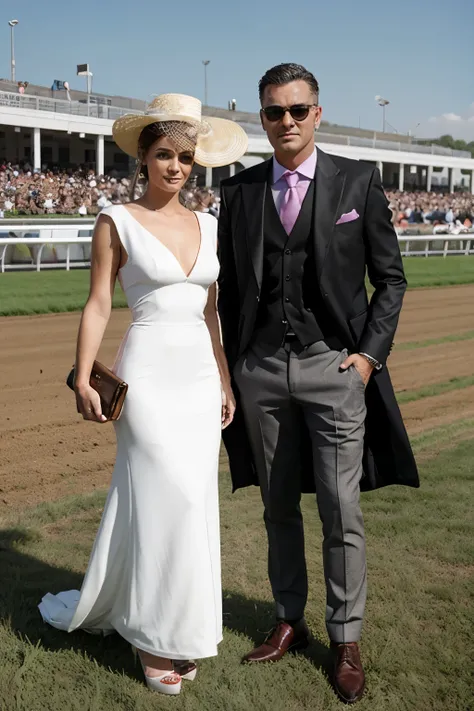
(154,572)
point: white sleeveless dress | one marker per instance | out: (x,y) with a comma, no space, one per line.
(154,572)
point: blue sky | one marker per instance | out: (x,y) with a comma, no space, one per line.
(419,54)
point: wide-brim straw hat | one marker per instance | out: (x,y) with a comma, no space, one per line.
(219,141)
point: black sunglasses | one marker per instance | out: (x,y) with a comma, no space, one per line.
(298,112)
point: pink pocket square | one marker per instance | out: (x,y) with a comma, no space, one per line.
(348,217)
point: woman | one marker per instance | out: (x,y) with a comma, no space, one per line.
(154,573)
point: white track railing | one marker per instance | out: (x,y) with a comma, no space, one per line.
(36,237)
(410,246)
(436,245)
(36,254)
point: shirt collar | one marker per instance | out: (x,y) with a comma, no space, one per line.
(307,169)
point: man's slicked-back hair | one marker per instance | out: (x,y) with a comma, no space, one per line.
(286,73)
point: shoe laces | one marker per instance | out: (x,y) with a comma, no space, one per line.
(348,656)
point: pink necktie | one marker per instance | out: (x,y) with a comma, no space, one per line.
(290,205)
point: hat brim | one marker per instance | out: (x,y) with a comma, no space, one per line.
(224,144)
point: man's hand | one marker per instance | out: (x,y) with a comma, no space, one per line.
(361,364)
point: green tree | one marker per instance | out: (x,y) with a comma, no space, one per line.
(455,144)
(446,140)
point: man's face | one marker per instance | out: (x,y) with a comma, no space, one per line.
(290,134)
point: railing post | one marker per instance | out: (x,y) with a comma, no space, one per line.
(38,258)
(2,258)
(67,257)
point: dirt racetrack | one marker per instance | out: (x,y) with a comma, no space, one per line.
(47,451)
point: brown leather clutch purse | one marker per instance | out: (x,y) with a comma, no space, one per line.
(111,389)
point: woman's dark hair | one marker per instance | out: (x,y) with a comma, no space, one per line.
(286,73)
(148,136)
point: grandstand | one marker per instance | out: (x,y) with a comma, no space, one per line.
(46,128)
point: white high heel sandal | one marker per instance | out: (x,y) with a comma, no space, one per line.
(186,669)
(169,683)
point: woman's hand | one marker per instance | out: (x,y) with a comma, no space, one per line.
(88,403)
(228,405)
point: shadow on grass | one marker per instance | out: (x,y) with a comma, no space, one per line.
(25,579)
(255,618)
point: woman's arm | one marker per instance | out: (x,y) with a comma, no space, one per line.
(212,321)
(105,262)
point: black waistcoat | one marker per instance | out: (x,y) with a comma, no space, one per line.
(290,300)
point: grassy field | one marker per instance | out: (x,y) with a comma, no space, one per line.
(24,293)
(436,271)
(418,636)
(419,630)
(445,386)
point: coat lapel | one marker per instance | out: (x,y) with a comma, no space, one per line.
(253,197)
(329,189)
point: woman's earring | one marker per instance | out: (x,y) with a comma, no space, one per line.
(141,174)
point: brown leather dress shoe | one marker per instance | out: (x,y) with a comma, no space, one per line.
(349,678)
(283,638)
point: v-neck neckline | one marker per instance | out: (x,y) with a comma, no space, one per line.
(157,239)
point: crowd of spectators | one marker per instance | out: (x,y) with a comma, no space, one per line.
(434,208)
(201,200)
(24,191)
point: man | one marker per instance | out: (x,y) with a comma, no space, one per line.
(296,235)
